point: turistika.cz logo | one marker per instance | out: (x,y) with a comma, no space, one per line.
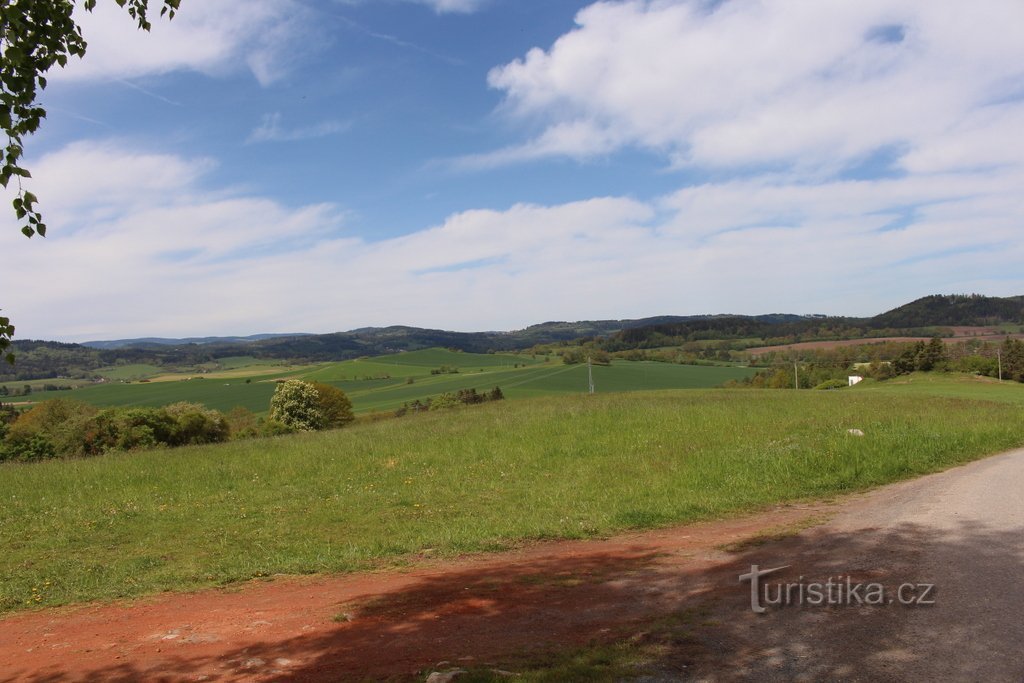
(841,591)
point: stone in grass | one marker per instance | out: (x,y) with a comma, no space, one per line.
(855,432)
(454,674)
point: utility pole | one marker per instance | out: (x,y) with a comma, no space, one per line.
(796,376)
(590,375)
(999,359)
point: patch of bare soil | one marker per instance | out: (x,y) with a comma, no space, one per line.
(391,624)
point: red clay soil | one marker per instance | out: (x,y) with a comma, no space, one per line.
(392,624)
(758,350)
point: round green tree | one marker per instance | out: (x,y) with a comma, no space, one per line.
(335,406)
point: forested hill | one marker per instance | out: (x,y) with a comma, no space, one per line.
(42,359)
(956,310)
(928,315)
(37,359)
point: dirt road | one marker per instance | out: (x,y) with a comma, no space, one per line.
(675,593)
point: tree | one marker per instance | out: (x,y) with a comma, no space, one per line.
(35,35)
(334,405)
(296,404)
(931,355)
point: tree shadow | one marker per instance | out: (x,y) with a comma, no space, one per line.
(480,616)
(687,618)
(971,631)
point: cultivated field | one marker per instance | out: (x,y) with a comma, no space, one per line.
(383,383)
(472,479)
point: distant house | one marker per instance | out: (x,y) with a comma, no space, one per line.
(855,379)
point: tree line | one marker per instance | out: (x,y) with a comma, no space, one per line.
(830,368)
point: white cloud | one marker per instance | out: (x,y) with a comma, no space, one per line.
(139,245)
(271,130)
(265,36)
(456,6)
(812,86)
(439,6)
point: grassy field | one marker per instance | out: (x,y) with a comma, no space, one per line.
(949,385)
(473,479)
(381,383)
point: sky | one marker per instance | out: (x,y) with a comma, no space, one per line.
(322,165)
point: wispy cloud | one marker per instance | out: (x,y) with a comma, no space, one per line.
(459,6)
(271,130)
(439,6)
(148,93)
(395,40)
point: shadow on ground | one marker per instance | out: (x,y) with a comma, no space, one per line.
(972,630)
(502,616)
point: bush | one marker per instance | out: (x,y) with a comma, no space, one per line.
(28,448)
(196,424)
(833,384)
(272,427)
(445,401)
(63,424)
(296,405)
(131,429)
(242,423)
(335,407)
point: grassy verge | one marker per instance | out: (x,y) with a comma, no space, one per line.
(477,479)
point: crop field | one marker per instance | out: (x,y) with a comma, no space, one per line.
(471,479)
(128,371)
(383,383)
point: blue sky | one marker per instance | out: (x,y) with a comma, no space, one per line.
(320,165)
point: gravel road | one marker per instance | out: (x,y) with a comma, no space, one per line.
(961,530)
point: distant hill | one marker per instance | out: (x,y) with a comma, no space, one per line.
(956,309)
(40,359)
(924,316)
(143,342)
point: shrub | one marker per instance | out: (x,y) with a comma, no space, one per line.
(196,424)
(62,423)
(296,404)
(272,427)
(242,423)
(28,448)
(130,429)
(833,384)
(335,406)
(445,401)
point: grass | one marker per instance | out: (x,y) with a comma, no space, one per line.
(476,479)
(130,371)
(949,385)
(380,384)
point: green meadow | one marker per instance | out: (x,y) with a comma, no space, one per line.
(948,385)
(383,383)
(473,479)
